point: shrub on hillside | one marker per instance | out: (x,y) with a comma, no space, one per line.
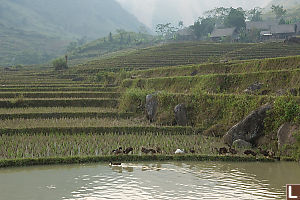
(60,64)
(106,77)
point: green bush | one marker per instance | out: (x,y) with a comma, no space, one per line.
(286,109)
(106,77)
(134,100)
(60,64)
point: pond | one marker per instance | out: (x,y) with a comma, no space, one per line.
(159,180)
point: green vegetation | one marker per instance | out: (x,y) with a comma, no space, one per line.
(60,64)
(59,145)
(121,41)
(62,120)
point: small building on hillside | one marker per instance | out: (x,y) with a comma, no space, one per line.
(219,34)
(284,31)
(186,34)
(264,25)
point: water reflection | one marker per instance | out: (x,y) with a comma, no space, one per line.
(189,180)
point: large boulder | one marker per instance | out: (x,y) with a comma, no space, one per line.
(250,128)
(151,106)
(241,144)
(181,115)
(285,134)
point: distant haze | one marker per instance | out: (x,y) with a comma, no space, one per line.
(152,12)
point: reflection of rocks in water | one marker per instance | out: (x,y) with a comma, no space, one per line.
(120,168)
(152,167)
(128,169)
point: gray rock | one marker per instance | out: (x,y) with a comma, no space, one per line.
(250,128)
(151,106)
(194,73)
(254,87)
(181,115)
(285,134)
(241,144)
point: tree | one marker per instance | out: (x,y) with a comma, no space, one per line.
(180,24)
(110,38)
(122,34)
(218,14)
(129,39)
(165,30)
(203,26)
(60,64)
(236,18)
(278,11)
(255,14)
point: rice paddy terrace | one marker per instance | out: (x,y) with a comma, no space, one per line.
(48,114)
(186,53)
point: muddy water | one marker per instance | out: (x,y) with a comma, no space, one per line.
(169,180)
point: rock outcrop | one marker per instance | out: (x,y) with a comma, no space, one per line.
(285,134)
(151,106)
(181,115)
(241,144)
(250,128)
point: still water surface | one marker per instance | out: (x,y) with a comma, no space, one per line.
(173,180)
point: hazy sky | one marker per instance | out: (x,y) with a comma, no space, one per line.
(151,12)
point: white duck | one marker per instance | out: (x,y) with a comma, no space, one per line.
(179,151)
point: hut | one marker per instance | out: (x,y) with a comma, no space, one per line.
(224,33)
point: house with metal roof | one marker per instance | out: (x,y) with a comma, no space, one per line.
(264,25)
(284,31)
(219,34)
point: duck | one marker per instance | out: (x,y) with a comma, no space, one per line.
(118,151)
(144,150)
(250,152)
(263,152)
(271,154)
(179,151)
(115,164)
(128,150)
(158,150)
(192,151)
(232,151)
(153,151)
(222,150)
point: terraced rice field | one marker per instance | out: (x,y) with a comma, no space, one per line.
(56,117)
(62,145)
(187,53)
(70,113)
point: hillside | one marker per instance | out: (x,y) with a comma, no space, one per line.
(101,47)
(55,22)
(185,53)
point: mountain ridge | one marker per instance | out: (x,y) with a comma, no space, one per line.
(56,21)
